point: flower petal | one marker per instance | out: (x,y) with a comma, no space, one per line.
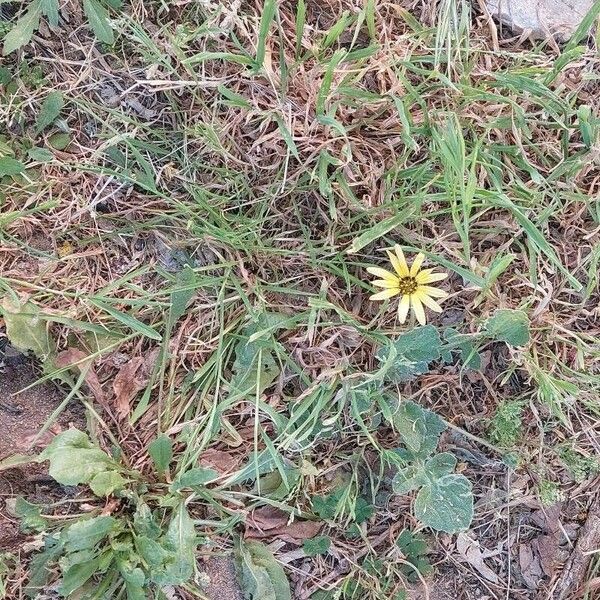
(414,269)
(403,307)
(418,309)
(389,293)
(383,274)
(385,283)
(432,291)
(426,276)
(402,268)
(428,301)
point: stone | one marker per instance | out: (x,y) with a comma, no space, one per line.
(541,18)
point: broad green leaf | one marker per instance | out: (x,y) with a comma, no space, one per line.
(50,11)
(86,534)
(23,30)
(462,343)
(186,281)
(39,568)
(317,545)
(194,477)
(30,515)
(74,459)
(41,155)
(419,428)
(268,14)
(59,141)
(440,465)
(446,505)
(408,480)
(510,326)
(74,577)
(107,482)
(260,576)
(50,111)
(410,354)
(182,540)
(161,451)
(97,16)
(25,329)
(11,166)
(144,522)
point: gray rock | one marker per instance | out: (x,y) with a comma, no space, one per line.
(542,18)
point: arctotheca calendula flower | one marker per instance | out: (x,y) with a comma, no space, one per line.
(410,283)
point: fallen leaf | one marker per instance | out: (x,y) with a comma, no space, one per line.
(79,359)
(531,569)
(470,550)
(268,521)
(132,377)
(220,461)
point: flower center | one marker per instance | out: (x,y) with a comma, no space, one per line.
(407,285)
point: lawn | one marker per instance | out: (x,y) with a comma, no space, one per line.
(197,199)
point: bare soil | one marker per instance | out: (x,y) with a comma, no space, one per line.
(23,412)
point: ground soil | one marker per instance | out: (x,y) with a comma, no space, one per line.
(221,581)
(23,412)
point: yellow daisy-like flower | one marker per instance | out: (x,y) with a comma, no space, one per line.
(410,283)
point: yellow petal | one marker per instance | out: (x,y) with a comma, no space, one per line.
(385,294)
(432,291)
(383,274)
(402,266)
(403,307)
(428,302)
(426,276)
(414,269)
(384,283)
(418,309)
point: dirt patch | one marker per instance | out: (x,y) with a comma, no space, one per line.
(23,412)
(221,581)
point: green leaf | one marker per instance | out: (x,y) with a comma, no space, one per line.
(30,515)
(59,141)
(74,459)
(420,428)
(144,522)
(23,30)
(25,329)
(408,480)
(260,576)
(49,112)
(11,166)
(186,282)
(161,451)
(446,504)
(86,534)
(194,477)
(440,465)
(50,11)
(510,326)
(74,577)
(181,539)
(254,364)
(107,482)
(128,320)
(469,356)
(317,545)
(39,568)
(42,155)
(97,16)
(410,354)
(268,14)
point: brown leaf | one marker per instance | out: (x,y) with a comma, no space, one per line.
(220,461)
(132,377)
(70,357)
(268,521)
(470,550)
(531,569)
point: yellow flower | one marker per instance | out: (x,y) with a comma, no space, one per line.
(410,283)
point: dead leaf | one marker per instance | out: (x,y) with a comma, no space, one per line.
(132,377)
(79,359)
(531,569)
(268,521)
(220,461)
(470,550)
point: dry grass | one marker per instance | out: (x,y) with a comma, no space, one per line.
(260,180)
